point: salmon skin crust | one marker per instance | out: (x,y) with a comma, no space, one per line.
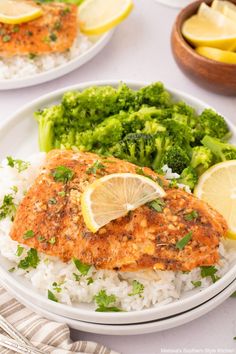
(143,239)
(55,31)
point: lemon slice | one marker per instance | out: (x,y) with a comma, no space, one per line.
(99,16)
(113,196)
(226,8)
(217,186)
(16,12)
(224,56)
(210,28)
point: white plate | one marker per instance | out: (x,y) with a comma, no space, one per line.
(175,3)
(61,70)
(131,329)
(18,137)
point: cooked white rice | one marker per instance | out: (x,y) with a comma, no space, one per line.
(22,66)
(160,287)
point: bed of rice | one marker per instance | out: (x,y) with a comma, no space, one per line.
(160,287)
(22,66)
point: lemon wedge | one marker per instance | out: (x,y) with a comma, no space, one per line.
(210,28)
(113,196)
(226,8)
(16,12)
(99,16)
(217,186)
(223,56)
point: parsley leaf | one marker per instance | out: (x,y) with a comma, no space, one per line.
(77,277)
(82,267)
(52,240)
(57,286)
(28,234)
(97,165)
(191,216)
(196,283)
(233,295)
(62,174)
(52,201)
(20,165)
(19,251)
(157,204)
(137,288)
(103,301)
(209,271)
(8,207)
(90,281)
(183,242)
(51,296)
(31,260)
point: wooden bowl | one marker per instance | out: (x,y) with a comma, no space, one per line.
(213,75)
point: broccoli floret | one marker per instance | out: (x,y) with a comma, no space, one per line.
(202,159)
(162,143)
(136,148)
(47,120)
(184,114)
(176,158)
(153,127)
(154,95)
(222,151)
(210,123)
(189,177)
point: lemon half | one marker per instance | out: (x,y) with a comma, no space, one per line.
(99,16)
(217,186)
(113,196)
(16,12)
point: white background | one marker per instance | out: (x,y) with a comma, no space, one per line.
(140,50)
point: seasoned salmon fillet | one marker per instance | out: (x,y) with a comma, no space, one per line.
(143,239)
(54,31)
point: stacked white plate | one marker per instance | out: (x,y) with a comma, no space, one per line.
(83,317)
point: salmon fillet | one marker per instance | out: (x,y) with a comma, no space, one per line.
(54,31)
(143,239)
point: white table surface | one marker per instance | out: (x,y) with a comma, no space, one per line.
(140,50)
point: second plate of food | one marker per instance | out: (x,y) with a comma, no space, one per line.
(74,289)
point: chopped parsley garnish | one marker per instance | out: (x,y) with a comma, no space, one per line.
(15,189)
(53,37)
(20,165)
(233,295)
(6,38)
(52,240)
(137,288)
(15,29)
(65,11)
(8,208)
(140,171)
(57,26)
(19,250)
(104,301)
(157,204)
(209,272)
(31,260)
(97,165)
(57,287)
(32,56)
(28,234)
(41,239)
(82,267)
(90,281)
(62,174)
(52,201)
(196,284)
(184,241)
(51,296)
(191,216)
(77,277)
(11,270)
(62,193)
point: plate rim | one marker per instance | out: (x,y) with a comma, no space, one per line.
(153,312)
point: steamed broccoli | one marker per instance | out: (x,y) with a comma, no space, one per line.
(136,148)
(210,123)
(202,159)
(222,151)
(154,95)
(176,158)
(189,177)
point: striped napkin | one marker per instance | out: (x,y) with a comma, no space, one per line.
(50,337)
